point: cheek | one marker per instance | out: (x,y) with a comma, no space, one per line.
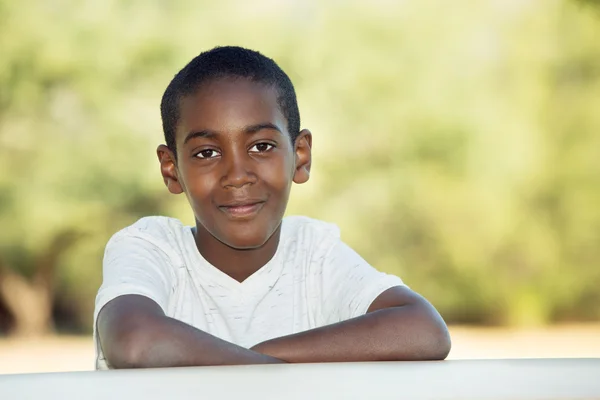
(198,186)
(278,174)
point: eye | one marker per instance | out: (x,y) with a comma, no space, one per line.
(261,147)
(207,153)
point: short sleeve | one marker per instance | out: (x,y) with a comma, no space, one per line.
(350,284)
(134,265)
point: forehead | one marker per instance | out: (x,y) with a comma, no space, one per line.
(229,105)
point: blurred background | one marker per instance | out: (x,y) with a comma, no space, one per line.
(455,144)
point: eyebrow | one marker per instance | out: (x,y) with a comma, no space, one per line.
(258,127)
(200,134)
(250,129)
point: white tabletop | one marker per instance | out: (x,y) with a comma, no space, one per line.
(464,379)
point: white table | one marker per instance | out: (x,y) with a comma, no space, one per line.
(464,379)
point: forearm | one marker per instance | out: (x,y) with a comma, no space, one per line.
(397,333)
(172,343)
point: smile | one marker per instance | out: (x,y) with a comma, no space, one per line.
(245,211)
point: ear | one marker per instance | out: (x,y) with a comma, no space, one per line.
(303,150)
(168,169)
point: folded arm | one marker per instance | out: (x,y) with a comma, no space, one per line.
(135,333)
(399,325)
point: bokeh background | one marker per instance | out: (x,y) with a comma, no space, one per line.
(455,144)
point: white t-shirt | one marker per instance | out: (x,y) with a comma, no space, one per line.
(314,279)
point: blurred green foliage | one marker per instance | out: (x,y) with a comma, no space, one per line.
(455,145)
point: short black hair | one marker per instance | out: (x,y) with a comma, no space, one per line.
(223,62)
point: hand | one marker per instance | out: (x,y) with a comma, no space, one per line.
(266,348)
(258,348)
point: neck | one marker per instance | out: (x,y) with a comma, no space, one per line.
(237,263)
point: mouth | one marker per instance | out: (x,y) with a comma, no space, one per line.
(245,209)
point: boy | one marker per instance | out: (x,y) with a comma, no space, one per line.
(245,285)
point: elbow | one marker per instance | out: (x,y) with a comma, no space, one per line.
(424,338)
(128,352)
(434,336)
(438,346)
(435,343)
(128,348)
(426,345)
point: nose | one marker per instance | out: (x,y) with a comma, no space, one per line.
(238,171)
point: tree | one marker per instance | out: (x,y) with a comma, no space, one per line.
(455,146)
(63,150)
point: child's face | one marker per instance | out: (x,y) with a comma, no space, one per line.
(235,160)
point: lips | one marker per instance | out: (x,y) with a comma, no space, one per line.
(243,208)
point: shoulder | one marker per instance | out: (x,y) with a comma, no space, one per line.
(301,224)
(309,232)
(164,233)
(157,227)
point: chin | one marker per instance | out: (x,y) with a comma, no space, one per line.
(245,243)
(243,237)
(248,237)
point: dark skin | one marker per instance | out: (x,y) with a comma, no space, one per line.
(236,164)
(233,147)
